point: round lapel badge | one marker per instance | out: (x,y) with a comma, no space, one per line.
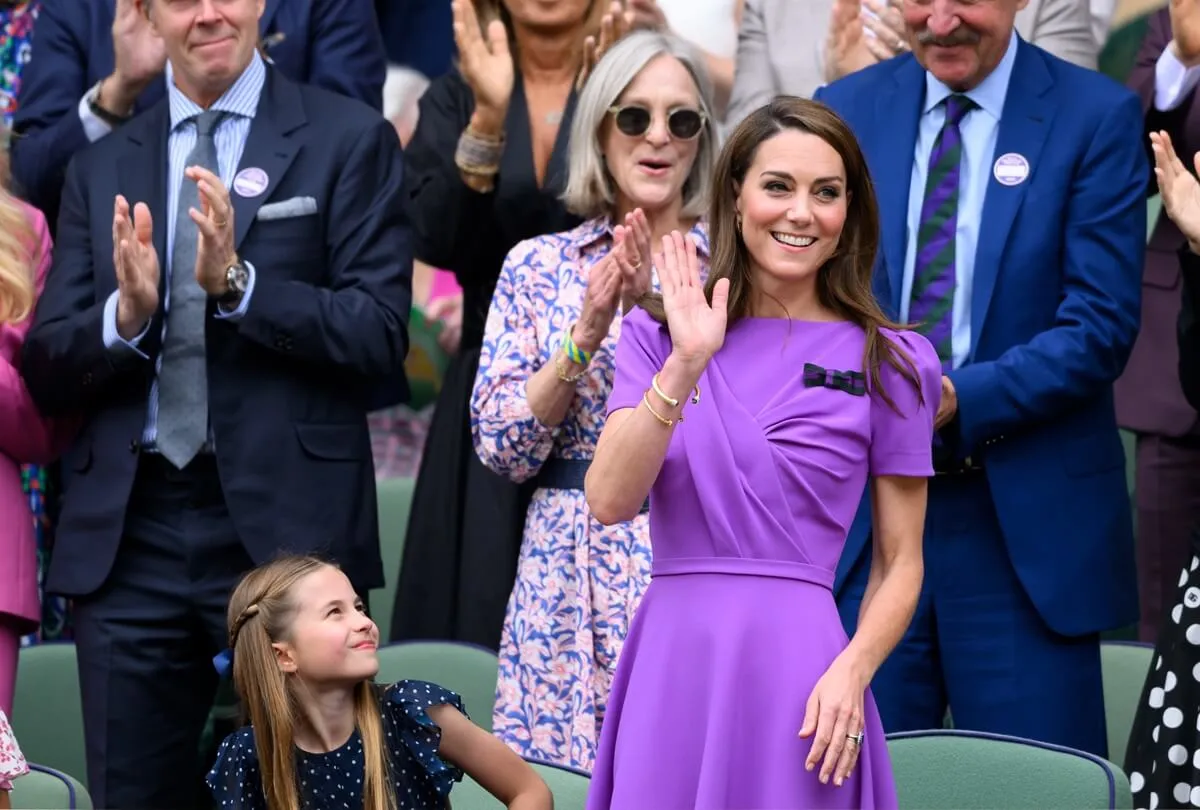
(1011,169)
(250,182)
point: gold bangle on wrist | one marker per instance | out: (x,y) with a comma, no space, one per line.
(656,414)
(672,401)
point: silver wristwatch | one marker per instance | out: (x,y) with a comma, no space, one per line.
(236,279)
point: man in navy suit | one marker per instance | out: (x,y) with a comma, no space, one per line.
(232,279)
(1011,186)
(96,63)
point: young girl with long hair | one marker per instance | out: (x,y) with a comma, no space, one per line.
(322,733)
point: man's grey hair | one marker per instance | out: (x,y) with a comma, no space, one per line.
(590,189)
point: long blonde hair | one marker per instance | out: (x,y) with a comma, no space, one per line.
(261,611)
(20,250)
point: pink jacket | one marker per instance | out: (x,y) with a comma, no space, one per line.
(25,438)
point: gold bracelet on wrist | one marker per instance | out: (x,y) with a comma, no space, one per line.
(560,367)
(672,401)
(656,414)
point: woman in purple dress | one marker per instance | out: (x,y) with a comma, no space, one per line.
(797,392)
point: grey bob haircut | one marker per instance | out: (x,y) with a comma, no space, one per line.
(590,188)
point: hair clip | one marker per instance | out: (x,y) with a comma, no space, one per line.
(852,382)
(223,663)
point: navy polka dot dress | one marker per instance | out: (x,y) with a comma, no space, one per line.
(334,781)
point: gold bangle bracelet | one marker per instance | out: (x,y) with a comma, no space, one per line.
(671,401)
(656,414)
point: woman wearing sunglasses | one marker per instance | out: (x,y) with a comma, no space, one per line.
(641,161)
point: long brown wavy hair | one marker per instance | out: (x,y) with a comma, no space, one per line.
(844,281)
(261,611)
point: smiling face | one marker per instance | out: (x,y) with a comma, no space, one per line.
(208,42)
(650,167)
(960,41)
(331,639)
(792,203)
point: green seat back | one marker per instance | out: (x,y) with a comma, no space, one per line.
(1120,50)
(569,788)
(48,789)
(395,500)
(465,669)
(963,770)
(1125,666)
(47,716)
(426,362)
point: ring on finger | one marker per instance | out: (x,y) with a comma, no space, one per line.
(857,739)
(222,223)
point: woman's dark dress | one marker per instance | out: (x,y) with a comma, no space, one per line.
(1163,756)
(465,529)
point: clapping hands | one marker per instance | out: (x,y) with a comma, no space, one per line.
(1179,189)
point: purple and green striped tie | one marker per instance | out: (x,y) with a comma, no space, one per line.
(932,304)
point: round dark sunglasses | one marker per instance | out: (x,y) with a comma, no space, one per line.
(683,123)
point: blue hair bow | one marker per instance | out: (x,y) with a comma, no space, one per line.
(223,663)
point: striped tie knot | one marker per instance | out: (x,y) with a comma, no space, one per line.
(957,106)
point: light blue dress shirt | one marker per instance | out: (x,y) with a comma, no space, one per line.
(979,130)
(241,102)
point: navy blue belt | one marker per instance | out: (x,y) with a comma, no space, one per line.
(568,473)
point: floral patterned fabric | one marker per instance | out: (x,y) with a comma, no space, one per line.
(16,35)
(578,582)
(12,764)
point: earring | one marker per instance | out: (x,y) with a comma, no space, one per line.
(739,224)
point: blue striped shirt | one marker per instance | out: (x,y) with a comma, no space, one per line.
(241,102)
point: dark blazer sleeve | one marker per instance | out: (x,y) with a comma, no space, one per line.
(64,361)
(452,223)
(46,128)
(346,50)
(359,321)
(1189,328)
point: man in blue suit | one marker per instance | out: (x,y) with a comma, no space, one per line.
(1012,193)
(232,279)
(96,63)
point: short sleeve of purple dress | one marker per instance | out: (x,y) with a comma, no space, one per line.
(748,518)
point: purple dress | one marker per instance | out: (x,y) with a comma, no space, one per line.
(748,518)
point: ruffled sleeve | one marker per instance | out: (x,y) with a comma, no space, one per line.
(414,736)
(12,762)
(902,437)
(234,780)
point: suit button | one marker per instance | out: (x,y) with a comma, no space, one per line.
(134,446)
(87,378)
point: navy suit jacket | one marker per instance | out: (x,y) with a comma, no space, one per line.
(288,384)
(1054,313)
(334,44)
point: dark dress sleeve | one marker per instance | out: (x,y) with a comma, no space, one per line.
(234,780)
(1189,328)
(415,738)
(454,226)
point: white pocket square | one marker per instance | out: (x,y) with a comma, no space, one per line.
(295,207)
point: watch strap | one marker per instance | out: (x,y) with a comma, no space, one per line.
(107,116)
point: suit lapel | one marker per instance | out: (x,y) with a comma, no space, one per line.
(1024,125)
(268,147)
(897,116)
(143,170)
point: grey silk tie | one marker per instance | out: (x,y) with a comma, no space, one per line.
(182,378)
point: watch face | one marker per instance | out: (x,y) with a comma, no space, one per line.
(236,277)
